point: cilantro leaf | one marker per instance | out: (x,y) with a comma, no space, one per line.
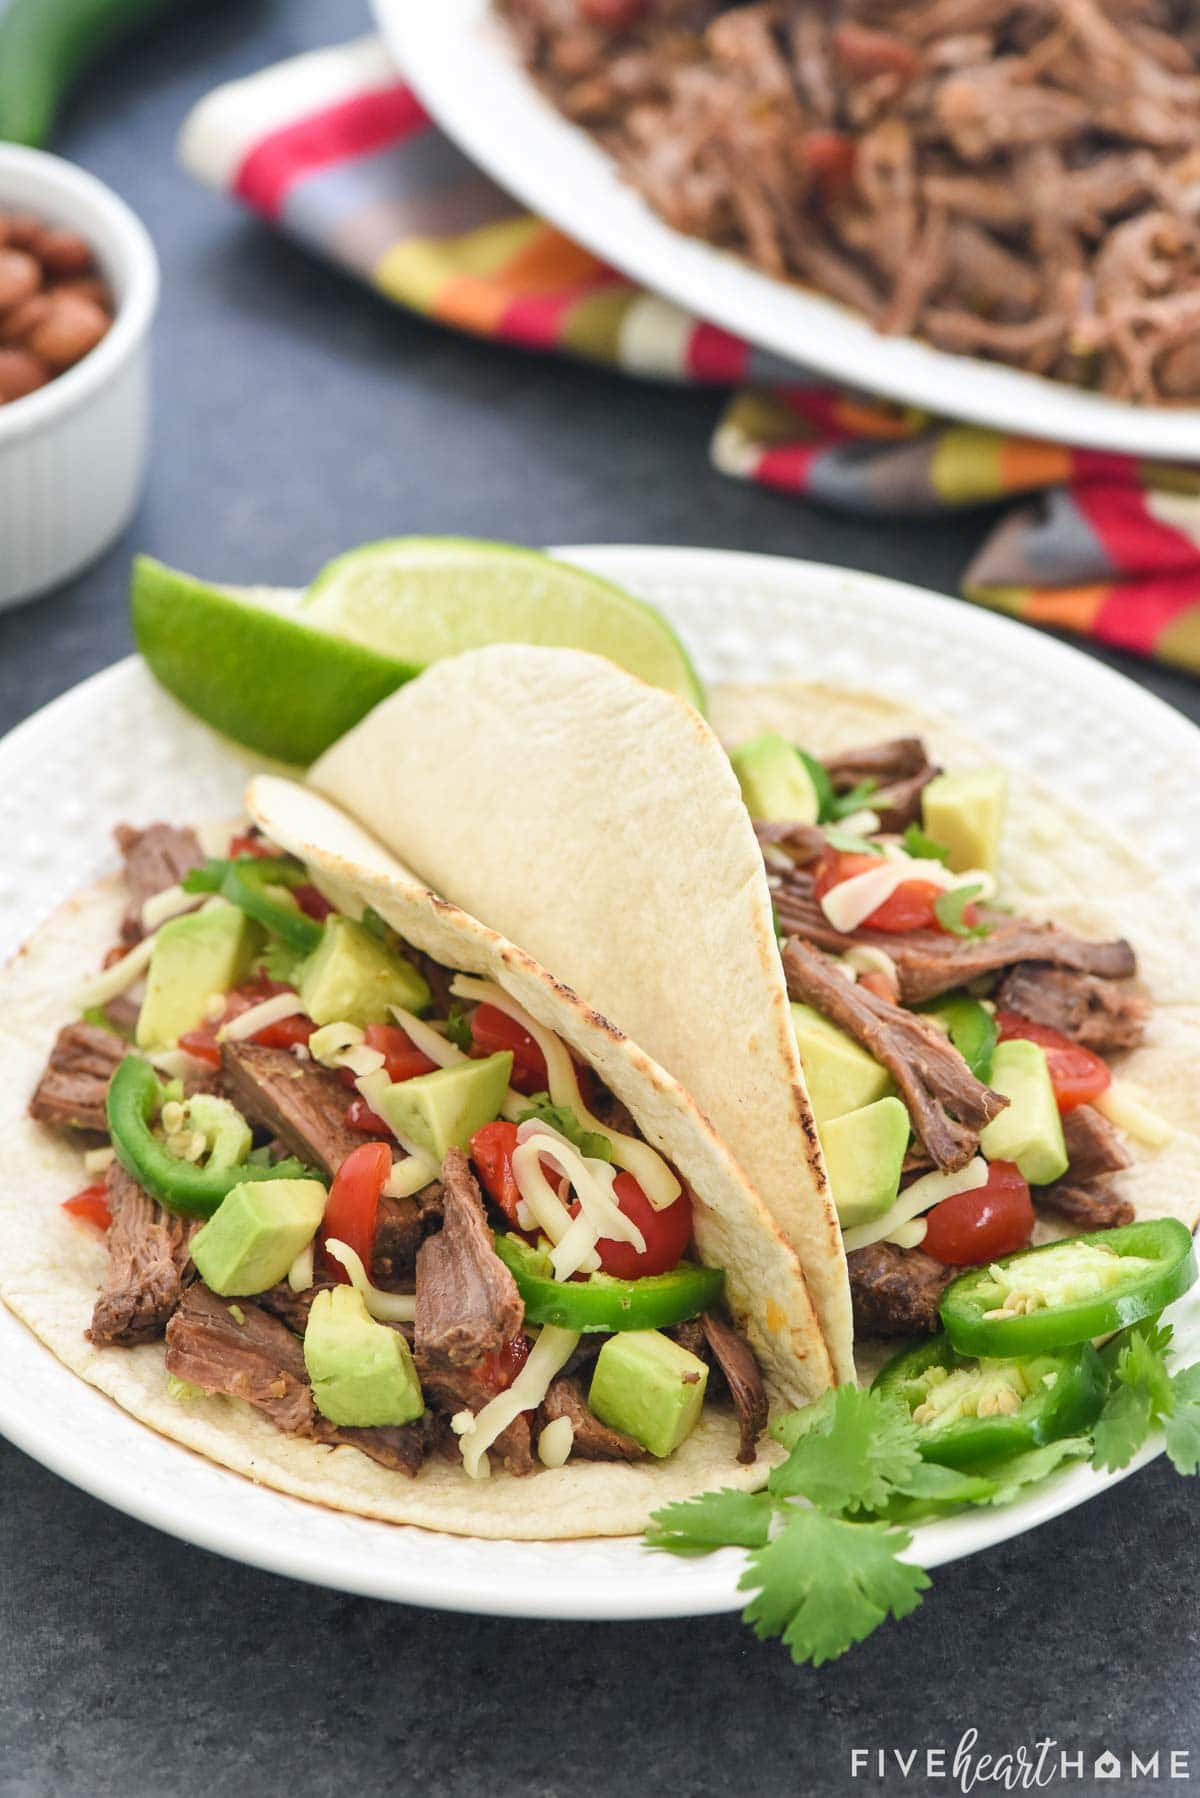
(724,1519)
(851,844)
(859,1449)
(563,1119)
(1121,1427)
(1140,1394)
(948,909)
(822,785)
(931,1488)
(458,1028)
(923,847)
(824,1584)
(1012,1476)
(1182,1426)
(844,805)
(279,961)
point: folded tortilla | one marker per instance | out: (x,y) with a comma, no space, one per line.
(51,1266)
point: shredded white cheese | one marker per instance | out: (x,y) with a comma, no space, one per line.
(386,1307)
(910,1235)
(437,1048)
(647,1166)
(556,1442)
(328,1044)
(860,824)
(549,1354)
(852,901)
(111,981)
(302,1272)
(1124,1105)
(98,1161)
(409,1176)
(867,960)
(924,1193)
(249,1023)
(172,902)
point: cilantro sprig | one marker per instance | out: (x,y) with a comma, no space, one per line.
(830,805)
(563,1119)
(950,907)
(923,847)
(827,1535)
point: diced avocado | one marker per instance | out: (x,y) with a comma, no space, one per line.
(353,978)
(1029,1130)
(965,813)
(202,953)
(443,1110)
(839,1074)
(774,781)
(362,1372)
(227,1136)
(864,1153)
(256,1232)
(649,1388)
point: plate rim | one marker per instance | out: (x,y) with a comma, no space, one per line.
(702,1588)
(435,45)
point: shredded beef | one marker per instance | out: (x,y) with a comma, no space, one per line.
(949,1107)
(1094,1147)
(1101,1014)
(155,858)
(1007,178)
(148,1265)
(1084,1207)
(743,1377)
(291,1308)
(73,1088)
(452,1389)
(801,843)
(901,770)
(592,1440)
(468,1305)
(300,1103)
(895,1291)
(932,962)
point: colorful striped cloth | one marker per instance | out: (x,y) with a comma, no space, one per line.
(335,149)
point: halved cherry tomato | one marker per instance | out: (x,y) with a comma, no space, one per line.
(493,1030)
(667,1233)
(92,1205)
(312,901)
(498,1371)
(1076,1074)
(286,1033)
(352,1207)
(910,907)
(202,1041)
(359,1116)
(492,1149)
(974,1227)
(248,845)
(829,157)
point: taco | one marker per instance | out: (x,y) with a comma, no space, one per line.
(994,1003)
(391,1219)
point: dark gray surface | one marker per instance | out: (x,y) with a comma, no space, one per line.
(298,415)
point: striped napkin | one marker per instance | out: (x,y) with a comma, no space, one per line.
(335,149)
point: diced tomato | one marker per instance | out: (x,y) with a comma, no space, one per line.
(359,1116)
(353,1205)
(612,15)
(92,1205)
(286,1033)
(910,907)
(492,1031)
(249,845)
(667,1233)
(864,53)
(829,157)
(497,1372)
(974,1227)
(202,1041)
(492,1150)
(312,901)
(401,1058)
(1076,1074)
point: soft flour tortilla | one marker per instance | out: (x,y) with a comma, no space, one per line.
(51,1266)
(596,822)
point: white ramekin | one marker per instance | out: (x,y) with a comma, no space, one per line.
(73,454)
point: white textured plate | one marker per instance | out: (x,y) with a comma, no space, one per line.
(461,63)
(117,747)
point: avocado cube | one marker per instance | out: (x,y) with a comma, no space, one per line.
(774,781)
(256,1232)
(1029,1131)
(353,978)
(362,1372)
(965,812)
(649,1388)
(864,1153)
(839,1074)
(443,1110)
(202,953)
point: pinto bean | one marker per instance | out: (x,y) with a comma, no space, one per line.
(20,277)
(69,328)
(20,373)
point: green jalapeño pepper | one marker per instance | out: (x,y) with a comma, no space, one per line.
(972,1030)
(245,883)
(969,1413)
(134,1096)
(1070,1291)
(602,1302)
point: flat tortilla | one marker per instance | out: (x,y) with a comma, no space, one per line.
(51,1266)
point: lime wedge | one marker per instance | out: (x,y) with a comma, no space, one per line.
(421,598)
(248,665)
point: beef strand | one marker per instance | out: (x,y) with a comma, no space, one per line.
(1100,1014)
(300,1103)
(743,1377)
(895,1291)
(73,1089)
(155,858)
(148,1265)
(468,1305)
(592,1440)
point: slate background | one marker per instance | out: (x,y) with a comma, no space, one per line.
(297,415)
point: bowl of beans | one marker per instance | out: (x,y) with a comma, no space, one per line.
(78,294)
